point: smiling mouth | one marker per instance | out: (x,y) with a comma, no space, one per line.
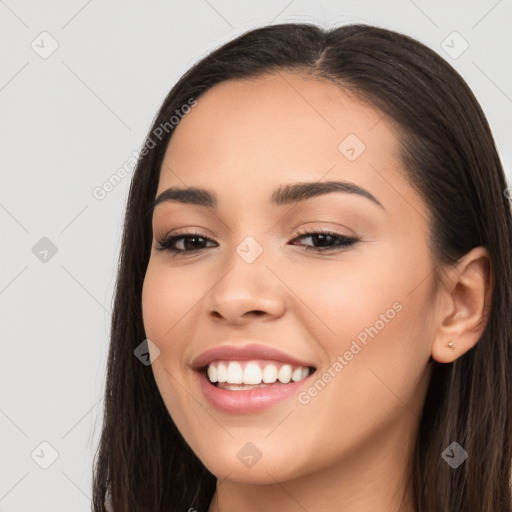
(253,374)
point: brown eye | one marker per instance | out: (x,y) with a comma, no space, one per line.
(326,240)
(190,242)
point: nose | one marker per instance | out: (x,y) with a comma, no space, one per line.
(245,292)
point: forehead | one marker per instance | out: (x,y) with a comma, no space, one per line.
(249,136)
(278,114)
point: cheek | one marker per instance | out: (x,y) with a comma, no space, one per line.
(340,298)
(168,298)
(375,316)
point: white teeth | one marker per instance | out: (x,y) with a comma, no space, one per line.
(252,374)
(255,373)
(212,373)
(270,373)
(235,373)
(222,372)
(285,374)
(296,375)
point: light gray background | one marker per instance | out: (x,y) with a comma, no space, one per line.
(68,122)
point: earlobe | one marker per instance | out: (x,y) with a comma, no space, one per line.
(465,300)
(446,353)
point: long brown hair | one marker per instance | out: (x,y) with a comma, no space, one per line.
(450,157)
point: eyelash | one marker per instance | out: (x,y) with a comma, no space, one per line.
(166,243)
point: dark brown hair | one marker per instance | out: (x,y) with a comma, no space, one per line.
(450,157)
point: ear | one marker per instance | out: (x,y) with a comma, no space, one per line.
(464,304)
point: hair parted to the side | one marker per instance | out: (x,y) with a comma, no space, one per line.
(450,157)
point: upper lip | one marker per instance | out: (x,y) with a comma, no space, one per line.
(250,351)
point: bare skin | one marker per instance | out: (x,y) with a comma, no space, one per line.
(349,447)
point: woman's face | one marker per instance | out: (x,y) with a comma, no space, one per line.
(252,278)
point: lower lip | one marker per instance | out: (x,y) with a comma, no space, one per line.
(249,400)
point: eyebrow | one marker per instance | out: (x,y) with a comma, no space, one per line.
(285,194)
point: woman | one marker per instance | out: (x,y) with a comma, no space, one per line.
(316,262)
